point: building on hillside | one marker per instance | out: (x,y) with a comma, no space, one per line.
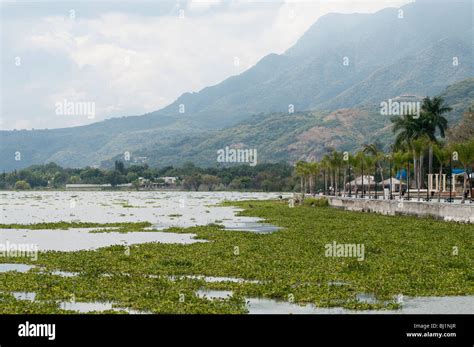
(140,160)
(169,180)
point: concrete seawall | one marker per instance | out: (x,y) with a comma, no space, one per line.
(445,211)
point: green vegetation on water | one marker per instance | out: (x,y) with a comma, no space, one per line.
(403,255)
(119,226)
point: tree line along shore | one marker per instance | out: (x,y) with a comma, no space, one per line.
(427,156)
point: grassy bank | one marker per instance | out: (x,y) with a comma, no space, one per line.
(403,255)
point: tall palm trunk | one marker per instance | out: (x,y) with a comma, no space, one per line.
(419,179)
(316,182)
(344,181)
(430,159)
(422,181)
(439,182)
(400,186)
(415,169)
(368,186)
(408,181)
(381,176)
(325,182)
(333,174)
(369,181)
(302,186)
(339,181)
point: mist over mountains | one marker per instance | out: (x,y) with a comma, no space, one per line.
(334,78)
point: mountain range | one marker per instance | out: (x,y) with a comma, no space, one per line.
(324,92)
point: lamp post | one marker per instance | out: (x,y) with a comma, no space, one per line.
(450,179)
(470,187)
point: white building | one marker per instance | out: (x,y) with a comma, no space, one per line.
(169,180)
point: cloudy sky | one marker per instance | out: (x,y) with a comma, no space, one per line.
(133,57)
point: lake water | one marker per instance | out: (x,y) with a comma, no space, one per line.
(79,307)
(162,209)
(420,305)
(81,239)
(409,305)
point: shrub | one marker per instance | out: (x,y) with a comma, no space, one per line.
(22,185)
(316,202)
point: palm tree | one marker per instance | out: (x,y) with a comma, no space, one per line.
(332,168)
(378,155)
(409,128)
(406,128)
(347,170)
(313,170)
(466,157)
(359,163)
(352,162)
(442,155)
(301,172)
(403,157)
(325,166)
(336,161)
(418,147)
(434,120)
(369,162)
(400,159)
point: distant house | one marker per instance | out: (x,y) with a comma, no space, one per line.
(169,180)
(145,183)
(161,182)
(408,97)
(396,183)
(366,180)
(87,186)
(140,160)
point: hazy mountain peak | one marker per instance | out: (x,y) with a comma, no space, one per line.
(342,61)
